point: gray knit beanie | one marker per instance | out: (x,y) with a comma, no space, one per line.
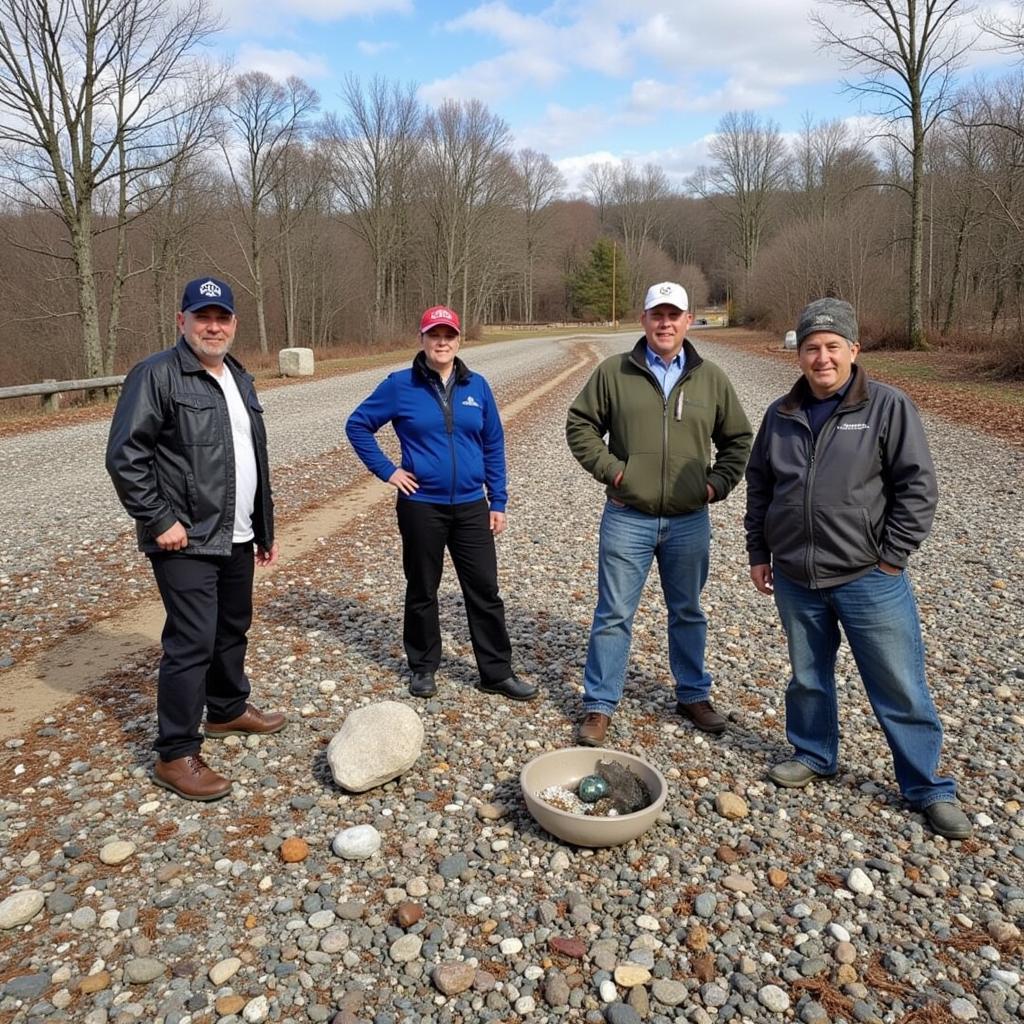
(832,315)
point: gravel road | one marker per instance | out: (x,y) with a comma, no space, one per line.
(743,902)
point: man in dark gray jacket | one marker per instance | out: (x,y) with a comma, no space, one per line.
(188,456)
(840,492)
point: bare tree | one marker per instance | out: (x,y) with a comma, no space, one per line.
(467,180)
(538,182)
(908,52)
(639,197)
(86,91)
(299,187)
(599,185)
(373,151)
(749,166)
(266,120)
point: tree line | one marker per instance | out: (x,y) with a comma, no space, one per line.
(129,162)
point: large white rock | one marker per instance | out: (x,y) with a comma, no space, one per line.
(374,745)
(295,362)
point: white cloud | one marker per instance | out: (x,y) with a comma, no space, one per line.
(371,49)
(491,80)
(280,64)
(268,16)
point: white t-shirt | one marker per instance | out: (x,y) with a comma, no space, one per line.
(245,457)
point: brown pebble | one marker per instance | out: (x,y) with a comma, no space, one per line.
(704,968)
(777,878)
(408,913)
(228,1005)
(488,926)
(250,921)
(845,974)
(726,854)
(452,978)
(846,952)
(294,850)
(575,949)
(697,938)
(94,982)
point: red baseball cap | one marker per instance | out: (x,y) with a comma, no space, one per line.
(438,316)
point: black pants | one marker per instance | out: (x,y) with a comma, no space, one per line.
(465,530)
(208,600)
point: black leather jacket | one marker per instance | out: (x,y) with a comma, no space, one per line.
(171,456)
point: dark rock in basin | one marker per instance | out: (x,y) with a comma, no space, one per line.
(628,791)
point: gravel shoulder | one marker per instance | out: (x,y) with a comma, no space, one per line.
(827,904)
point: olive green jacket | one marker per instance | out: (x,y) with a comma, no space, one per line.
(662,446)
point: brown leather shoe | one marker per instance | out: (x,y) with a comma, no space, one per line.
(250,721)
(191,777)
(704,716)
(593,729)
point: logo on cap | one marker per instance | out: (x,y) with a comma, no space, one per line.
(210,289)
(440,314)
(823,318)
(665,289)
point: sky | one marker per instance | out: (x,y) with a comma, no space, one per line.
(582,80)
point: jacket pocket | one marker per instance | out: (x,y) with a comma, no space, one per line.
(784,533)
(640,485)
(197,418)
(687,484)
(843,539)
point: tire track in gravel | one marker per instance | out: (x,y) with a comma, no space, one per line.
(54,676)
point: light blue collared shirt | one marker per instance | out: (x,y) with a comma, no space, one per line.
(667,373)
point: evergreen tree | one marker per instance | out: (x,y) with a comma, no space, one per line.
(591,284)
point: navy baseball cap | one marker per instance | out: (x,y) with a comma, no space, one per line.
(207,291)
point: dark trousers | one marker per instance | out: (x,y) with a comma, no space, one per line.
(208,600)
(465,530)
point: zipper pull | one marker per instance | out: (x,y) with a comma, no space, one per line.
(679,406)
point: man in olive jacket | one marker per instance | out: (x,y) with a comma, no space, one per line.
(840,493)
(662,408)
(187,453)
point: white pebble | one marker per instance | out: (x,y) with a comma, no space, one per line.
(773,998)
(116,852)
(357,843)
(609,993)
(857,881)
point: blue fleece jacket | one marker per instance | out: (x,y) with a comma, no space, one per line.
(457,455)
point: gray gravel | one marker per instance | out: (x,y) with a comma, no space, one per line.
(827,904)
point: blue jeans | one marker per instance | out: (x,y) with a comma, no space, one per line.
(630,541)
(879,617)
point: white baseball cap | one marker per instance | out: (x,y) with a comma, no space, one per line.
(667,292)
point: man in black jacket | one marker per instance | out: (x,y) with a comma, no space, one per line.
(840,492)
(187,452)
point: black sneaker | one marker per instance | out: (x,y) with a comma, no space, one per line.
(422,684)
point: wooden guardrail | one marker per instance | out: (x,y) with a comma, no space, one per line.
(50,390)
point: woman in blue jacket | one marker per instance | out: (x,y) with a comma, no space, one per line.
(451,493)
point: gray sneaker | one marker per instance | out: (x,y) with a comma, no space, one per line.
(946,819)
(794,775)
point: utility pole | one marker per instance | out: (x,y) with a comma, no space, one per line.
(614,321)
